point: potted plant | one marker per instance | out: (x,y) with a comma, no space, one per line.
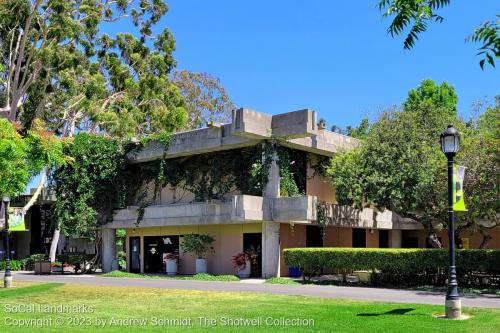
(322,124)
(243,262)
(171,263)
(198,245)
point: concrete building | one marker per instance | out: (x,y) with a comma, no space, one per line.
(39,230)
(268,222)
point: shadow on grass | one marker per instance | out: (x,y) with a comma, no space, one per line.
(395,312)
(15,292)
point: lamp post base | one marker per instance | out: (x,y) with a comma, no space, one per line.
(7,281)
(453,308)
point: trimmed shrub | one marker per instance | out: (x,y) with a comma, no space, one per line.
(395,266)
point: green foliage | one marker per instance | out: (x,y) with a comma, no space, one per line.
(210,277)
(88,189)
(416,14)
(400,262)
(24,157)
(206,99)
(29,262)
(399,165)
(14,172)
(488,33)
(280,280)
(75,76)
(480,153)
(197,244)
(429,93)
(15,265)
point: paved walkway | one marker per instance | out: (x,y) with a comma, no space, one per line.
(359,293)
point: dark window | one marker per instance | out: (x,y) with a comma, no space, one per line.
(253,242)
(314,236)
(383,239)
(358,237)
(409,242)
(154,248)
(135,254)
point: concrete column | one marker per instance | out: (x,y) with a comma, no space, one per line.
(142,255)
(395,238)
(270,249)
(108,249)
(272,188)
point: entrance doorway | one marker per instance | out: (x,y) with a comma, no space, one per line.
(154,248)
(314,236)
(253,242)
(358,237)
(135,254)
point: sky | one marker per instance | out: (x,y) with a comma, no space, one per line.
(332,56)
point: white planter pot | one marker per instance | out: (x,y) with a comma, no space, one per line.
(171,267)
(245,272)
(201,266)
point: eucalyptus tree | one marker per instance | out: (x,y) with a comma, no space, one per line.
(206,99)
(417,14)
(58,64)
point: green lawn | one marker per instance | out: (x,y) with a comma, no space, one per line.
(329,315)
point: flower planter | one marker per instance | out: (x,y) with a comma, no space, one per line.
(245,272)
(43,267)
(171,267)
(201,266)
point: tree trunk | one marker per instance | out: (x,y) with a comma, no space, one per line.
(53,244)
(486,239)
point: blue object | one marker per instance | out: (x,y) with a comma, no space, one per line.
(294,272)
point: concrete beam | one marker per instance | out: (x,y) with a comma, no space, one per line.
(295,129)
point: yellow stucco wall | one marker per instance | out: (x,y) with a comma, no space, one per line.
(228,242)
(318,185)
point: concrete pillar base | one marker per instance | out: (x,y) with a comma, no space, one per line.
(453,309)
(7,281)
(270,249)
(108,249)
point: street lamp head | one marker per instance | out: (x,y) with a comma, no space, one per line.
(450,141)
(6,199)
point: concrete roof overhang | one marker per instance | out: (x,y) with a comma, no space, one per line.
(297,129)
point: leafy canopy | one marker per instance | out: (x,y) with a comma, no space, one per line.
(399,165)
(417,14)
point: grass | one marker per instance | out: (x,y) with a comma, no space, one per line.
(323,315)
(197,277)
(280,280)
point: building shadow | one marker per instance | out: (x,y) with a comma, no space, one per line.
(394,312)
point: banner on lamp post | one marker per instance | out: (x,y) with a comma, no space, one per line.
(16,219)
(458,188)
(2,216)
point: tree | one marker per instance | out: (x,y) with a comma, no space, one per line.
(23,157)
(206,99)
(88,189)
(56,64)
(417,14)
(59,66)
(399,165)
(480,153)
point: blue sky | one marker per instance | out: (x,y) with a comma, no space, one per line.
(332,56)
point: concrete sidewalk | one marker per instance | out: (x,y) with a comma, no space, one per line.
(358,293)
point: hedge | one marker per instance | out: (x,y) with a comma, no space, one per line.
(396,262)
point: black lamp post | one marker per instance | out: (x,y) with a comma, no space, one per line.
(7,279)
(450,143)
